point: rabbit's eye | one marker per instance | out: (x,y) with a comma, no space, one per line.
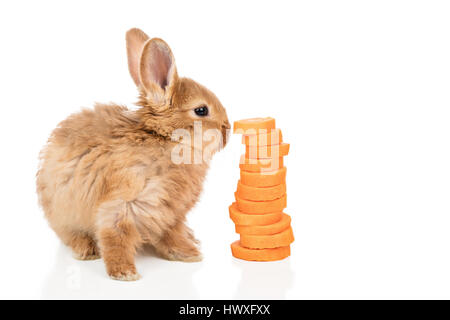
(201,111)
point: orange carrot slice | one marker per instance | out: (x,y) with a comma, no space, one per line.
(263,138)
(281,239)
(251,126)
(260,194)
(260,207)
(259,165)
(267,152)
(264,179)
(259,254)
(252,219)
(275,228)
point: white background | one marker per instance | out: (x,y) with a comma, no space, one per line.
(359,88)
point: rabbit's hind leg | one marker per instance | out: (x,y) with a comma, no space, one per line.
(84,247)
(82,244)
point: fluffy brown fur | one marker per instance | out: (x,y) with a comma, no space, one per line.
(106,181)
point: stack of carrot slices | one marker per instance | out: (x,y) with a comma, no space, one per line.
(265,230)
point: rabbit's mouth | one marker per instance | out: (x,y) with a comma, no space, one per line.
(225,134)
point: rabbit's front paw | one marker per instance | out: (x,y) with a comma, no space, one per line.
(123,273)
(179,256)
(186,252)
(179,244)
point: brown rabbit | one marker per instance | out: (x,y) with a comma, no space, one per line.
(107,180)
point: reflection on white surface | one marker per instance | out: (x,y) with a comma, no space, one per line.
(73,279)
(264,280)
(161,279)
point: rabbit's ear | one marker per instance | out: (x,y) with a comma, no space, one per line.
(136,40)
(158,71)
